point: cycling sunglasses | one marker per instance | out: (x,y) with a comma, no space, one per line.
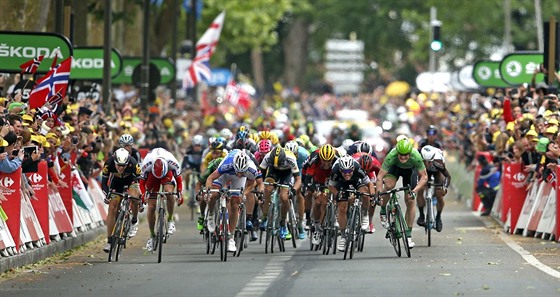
(347,171)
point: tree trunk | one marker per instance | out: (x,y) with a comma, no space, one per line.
(295,52)
(162,28)
(258,68)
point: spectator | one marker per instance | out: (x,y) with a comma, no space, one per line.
(10,162)
(488,184)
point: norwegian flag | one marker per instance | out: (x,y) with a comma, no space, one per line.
(31,66)
(238,97)
(205,47)
(51,87)
(53,64)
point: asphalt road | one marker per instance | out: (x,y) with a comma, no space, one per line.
(470,257)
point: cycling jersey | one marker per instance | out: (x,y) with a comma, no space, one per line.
(359,179)
(302,155)
(192,159)
(111,179)
(209,157)
(352,149)
(211,168)
(376,165)
(173,175)
(312,171)
(290,163)
(424,142)
(436,168)
(226,167)
(414,162)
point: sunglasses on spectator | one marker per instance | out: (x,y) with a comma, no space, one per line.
(347,171)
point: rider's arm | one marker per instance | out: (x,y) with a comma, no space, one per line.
(380,177)
(211,178)
(423,175)
(297,183)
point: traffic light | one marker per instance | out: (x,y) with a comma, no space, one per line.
(436,45)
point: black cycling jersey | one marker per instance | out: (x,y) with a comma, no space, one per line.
(111,179)
(192,159)
(425,142)
(359,178)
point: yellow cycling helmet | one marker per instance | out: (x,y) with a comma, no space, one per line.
(326,152)
(274,139)
(254,137)
(265,135)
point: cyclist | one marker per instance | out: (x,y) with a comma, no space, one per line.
(347,174)
(361,147)
(315,171)
(435,166)
(120,171)
(402,161)
(301,155)
(217,150)
(238,171)
(371,166)
(160,168)
(199,184)
(126,141)
(264,147)
(191,163)
(431,138)
(279,166)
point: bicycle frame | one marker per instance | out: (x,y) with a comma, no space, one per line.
(431,207)
(395,218)
(221,217)
(355,236)
(274,217)
(161,221)
(119,234)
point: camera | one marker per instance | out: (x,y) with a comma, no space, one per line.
(75,139)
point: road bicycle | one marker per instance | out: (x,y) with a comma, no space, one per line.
(320,189)
(396,232)
(221,219)
(161,221)
(273,220)
(119,234)
(431,207)
(355,236)
(291,220)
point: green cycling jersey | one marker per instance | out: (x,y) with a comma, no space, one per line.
(212,166)
(414,162)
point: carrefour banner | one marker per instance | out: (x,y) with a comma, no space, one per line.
(17,48)
(87,63)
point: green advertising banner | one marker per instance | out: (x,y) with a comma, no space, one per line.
(165,66)
(487,74)
(87,63)
(518,68)
(17,48)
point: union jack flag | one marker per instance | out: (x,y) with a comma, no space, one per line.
(51,87)
(31,66)
(205,47)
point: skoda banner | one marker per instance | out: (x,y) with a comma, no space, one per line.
(88,63)
(17,48)
(518,68)
(165,66)
(487,74)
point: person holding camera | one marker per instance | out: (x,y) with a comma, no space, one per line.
(11,156)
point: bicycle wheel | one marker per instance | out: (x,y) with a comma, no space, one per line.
(393,233)
(403,228)
(269,242)
(224,234)
(429,216)
(121,244)
(292,225)
(115,236)
(214,235)
(349,232)
(327,229)
(160,235)
(240,230)
(356,220)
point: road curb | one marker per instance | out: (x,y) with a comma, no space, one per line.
(37,254)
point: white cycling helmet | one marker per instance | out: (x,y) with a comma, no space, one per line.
(292,146)
(430,153)
(226,133)
(241,162)
(198,140)
(347,143)
(121,156)
(346,163)
(126,139)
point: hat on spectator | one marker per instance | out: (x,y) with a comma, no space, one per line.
(3,143)
(532,133)
(64,129)
(510,126)
(11,138)
(541,85)
(551,130)
(552,122)
(43,140)
(542,145)
(27,120)
(53,136)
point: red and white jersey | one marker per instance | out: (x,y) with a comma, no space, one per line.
(147,163)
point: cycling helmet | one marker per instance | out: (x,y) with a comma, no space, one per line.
(222,140)
(265,146)
(240,162)
(226,133)
(159,169)
(277,157)
(242,134)
(254,137)
(432,130)
(364,148)
(211,132)
(346,163)
(326,152)
(216,145)
(366,162)
(121,156)
(211,139)
(292,146)
(430,153)
(265,135)
(198,140)
(347,143)
(126,139)
(404,147)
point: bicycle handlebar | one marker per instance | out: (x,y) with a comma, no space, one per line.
(392,191)
(277,185)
